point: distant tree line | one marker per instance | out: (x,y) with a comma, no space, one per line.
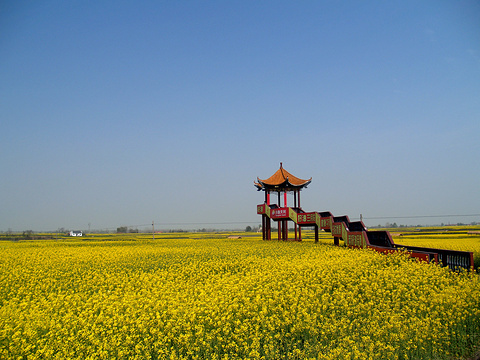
(125,229)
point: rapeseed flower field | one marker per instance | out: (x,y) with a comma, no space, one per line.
(210,297)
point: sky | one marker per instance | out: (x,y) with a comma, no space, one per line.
(120,113)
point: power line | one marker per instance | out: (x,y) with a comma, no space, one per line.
(418,216)
(185,223)
(254,221)
(209,223)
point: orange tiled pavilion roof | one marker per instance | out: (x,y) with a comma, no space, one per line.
(282,180)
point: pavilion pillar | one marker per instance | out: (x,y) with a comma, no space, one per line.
(295,206)
(264,237)
(316,233)
(285,222)
(269,229)
(299,228)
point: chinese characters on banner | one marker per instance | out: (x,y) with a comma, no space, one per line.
(278,213)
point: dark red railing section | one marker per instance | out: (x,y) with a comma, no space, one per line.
(453,259)
(382,241)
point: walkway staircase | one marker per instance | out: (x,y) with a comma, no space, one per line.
(354,234)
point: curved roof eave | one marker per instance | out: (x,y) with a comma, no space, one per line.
(286,185)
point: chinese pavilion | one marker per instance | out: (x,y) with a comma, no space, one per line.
(280,182)
(354,234)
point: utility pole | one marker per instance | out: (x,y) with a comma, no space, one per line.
(153,230)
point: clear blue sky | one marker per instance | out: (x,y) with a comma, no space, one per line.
(122,112)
